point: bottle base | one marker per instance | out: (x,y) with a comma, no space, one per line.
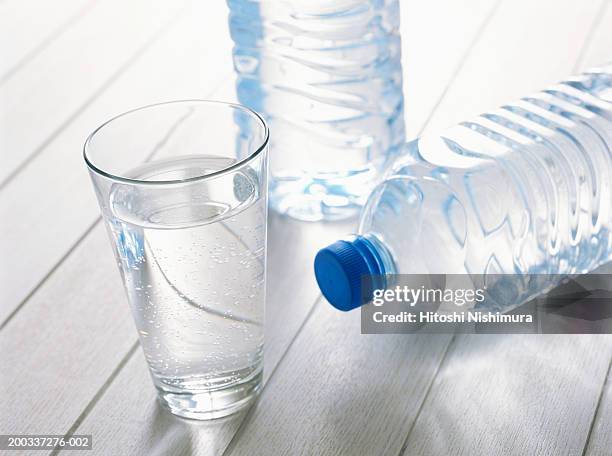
(315,199)
(313,209)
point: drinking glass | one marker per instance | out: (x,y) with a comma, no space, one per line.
(182,188)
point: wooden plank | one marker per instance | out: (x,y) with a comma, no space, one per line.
(65,76)
(27,26)
(127,418)
(513,395)
(363,401)
(525,48)
(600,440)
(345,393)
(154,430)
(65,344)
(51,203)
(436,39)
(599,49)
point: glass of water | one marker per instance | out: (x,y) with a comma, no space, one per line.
(182,188)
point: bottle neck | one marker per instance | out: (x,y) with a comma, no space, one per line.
(377,254)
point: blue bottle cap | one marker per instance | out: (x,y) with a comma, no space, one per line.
(344,272)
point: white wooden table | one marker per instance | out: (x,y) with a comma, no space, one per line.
(69,358)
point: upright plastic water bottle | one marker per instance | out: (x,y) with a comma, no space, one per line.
(326,75)
(524,190)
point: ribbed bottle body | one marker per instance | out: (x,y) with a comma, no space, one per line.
(524,189)
(327,77)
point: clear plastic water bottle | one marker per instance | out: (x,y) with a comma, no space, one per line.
(523,190)
(326,75)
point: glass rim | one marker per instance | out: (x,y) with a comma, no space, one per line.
(220,172)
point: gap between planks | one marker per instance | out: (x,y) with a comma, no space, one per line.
(462,61)
(597,22)
(245,419)
(597,410)
(46,41)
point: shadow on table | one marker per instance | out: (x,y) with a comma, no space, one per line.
(168,434)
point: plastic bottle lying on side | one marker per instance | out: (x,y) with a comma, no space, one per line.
(523,190)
